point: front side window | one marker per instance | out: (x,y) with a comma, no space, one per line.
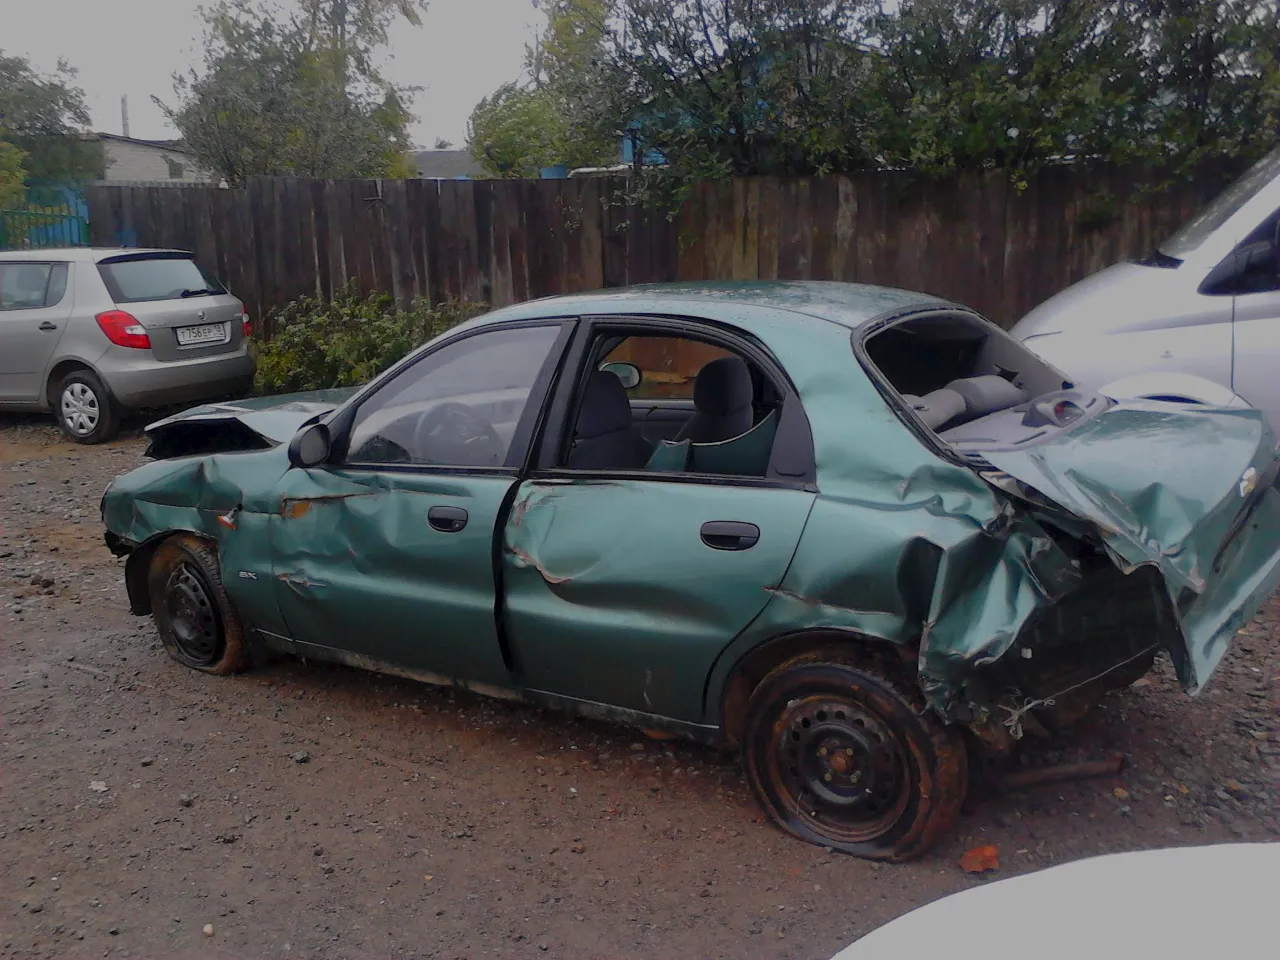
(29,286)
(138,279)
(458,406)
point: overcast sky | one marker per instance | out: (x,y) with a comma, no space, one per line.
(462,51)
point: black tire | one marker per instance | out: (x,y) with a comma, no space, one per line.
(196,620)
(840,754)
(84,408)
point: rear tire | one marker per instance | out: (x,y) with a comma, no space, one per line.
(193,614)
(840,754)
(84,408)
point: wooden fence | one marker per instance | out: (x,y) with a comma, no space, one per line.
(974,239)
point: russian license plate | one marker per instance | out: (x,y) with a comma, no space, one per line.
(202,333)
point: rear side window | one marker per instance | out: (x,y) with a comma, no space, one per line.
(30,286)
(135,279)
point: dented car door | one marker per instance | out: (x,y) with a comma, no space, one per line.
(624,591)
(385,557)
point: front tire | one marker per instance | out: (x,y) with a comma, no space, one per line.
(839,754)
(84,408)
(193,614)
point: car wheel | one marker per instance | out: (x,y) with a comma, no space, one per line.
(85,411)
(196,620)
(838,753)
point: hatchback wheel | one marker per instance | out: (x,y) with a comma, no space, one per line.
(841,755)
(85,411)
(196,620)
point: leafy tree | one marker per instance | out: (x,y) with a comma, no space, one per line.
(41,117)
(516,131)
(1016,84)
(727,87)
(442,144)
(355,29)
(559,115)
(293,96)
(12,174)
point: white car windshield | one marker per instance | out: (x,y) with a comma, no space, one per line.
(1204,223)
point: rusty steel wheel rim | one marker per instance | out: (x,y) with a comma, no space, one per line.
(193,618)
(838,767)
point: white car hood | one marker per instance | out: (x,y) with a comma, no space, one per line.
(1192,903)
(1122,297)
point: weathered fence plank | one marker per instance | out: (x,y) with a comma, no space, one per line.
(975,238)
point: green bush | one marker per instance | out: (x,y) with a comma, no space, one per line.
(317,345)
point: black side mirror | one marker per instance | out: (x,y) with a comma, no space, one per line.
(310,446)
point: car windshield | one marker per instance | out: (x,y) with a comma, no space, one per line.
(156,278)
(1199,227)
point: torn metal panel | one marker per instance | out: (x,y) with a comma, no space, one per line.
(252,424)
(1187,490)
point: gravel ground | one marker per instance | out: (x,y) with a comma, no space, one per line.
(315,811)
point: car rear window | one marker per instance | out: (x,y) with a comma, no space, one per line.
(156,278)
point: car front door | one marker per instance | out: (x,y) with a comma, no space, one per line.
(34,306)
(385,557)
(623,583)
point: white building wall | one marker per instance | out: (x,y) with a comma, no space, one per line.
(142,162)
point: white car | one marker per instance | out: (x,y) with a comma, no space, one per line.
(1182,904)
(1196,320)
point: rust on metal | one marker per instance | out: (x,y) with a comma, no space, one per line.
(1061,773)
(529,561)
(293,508)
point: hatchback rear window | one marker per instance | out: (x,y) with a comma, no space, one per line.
(157,278)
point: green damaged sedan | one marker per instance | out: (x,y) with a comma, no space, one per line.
(862,535)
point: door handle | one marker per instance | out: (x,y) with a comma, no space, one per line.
(48,326)
(447,519)
(730,535)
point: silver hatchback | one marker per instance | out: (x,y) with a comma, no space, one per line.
(93,333)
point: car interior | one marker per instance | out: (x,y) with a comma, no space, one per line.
(679,415)
(973,385)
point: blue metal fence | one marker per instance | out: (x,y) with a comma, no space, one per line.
(51,216)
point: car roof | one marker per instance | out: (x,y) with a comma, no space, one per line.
(848,304)
(83,254)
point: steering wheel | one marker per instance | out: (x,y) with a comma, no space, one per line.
(455,433)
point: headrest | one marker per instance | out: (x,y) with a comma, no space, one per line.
(987,394)
(937,407)
(605,407)
(723,387)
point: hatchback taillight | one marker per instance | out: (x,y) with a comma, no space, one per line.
(246,325)
(124,330)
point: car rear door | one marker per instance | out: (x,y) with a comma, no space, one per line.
(187,313)
(35,303)
(621,587)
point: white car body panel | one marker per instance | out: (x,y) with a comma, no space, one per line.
(1192,903)
(1147,318)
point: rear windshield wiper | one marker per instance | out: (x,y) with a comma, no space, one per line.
(198,293)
